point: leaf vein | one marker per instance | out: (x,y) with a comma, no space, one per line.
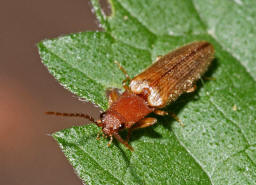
(194,157)
(103,169)
(233,155)
(74,67)
(134,17)
(234,123)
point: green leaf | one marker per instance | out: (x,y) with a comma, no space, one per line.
(217,144)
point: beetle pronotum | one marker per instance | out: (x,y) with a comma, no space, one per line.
(154,88)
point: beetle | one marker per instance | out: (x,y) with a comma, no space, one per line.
(159,85)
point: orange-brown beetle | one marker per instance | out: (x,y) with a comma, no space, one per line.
(160,84)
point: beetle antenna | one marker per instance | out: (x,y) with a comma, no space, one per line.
(73,115)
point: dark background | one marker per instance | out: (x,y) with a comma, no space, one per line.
(28,155)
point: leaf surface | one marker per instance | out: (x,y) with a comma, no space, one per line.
(217,144)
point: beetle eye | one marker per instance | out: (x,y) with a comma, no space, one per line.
(102,115)
(121,126)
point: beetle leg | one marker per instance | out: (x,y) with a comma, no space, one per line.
(100,133)
(145,122)
(125,143)
(112,95)
(206,78)
(127,78)
(209,78)
(158,57)
(98,136)
(174,116)
(161,112)
(191,89)
(124,83)
(110,141)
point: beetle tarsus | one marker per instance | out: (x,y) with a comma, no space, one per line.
(110,141)
(174,116)
(192,89)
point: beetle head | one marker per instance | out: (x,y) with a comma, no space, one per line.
(111,123)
